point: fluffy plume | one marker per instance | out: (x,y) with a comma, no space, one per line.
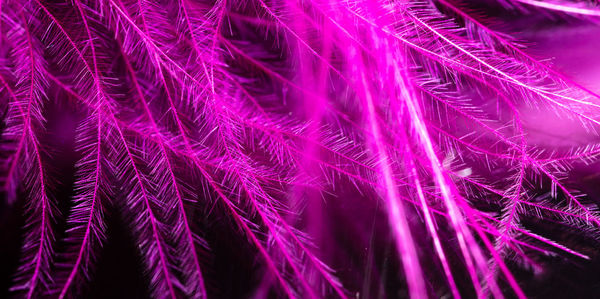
(256,148)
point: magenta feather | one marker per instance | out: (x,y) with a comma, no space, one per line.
(276,140)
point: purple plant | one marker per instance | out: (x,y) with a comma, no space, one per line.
(280,132)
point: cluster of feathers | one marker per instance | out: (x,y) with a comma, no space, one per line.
(341,148)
